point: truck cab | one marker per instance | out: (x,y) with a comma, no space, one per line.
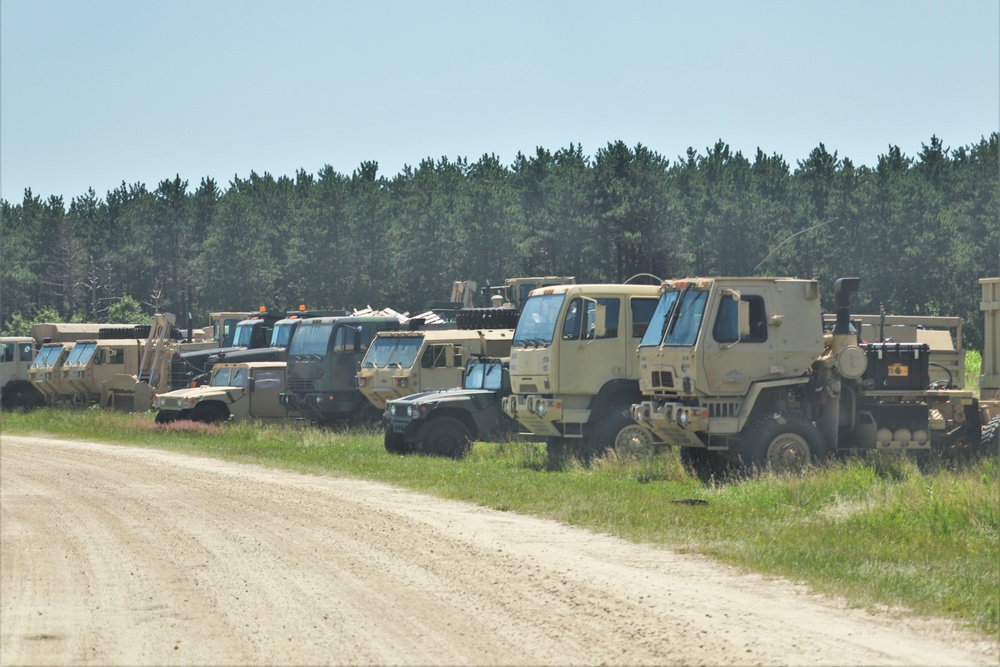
(323,363)
(400,363)
(45,370)
(236,391)
(573,369)
(16,391)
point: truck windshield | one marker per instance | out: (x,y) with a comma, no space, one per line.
(392,351)
(668,327)
(537,323)
(244,333)
(282,333)
(484,376)
(47,356)
(81,354)
(220,378)
(311,339)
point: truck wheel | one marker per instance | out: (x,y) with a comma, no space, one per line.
(617,430)
(783,442)
(445,436)
(395,443)
(208,414)
(555,452)
(989,444)
(703,464)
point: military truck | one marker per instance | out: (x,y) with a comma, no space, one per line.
(45,370)
(740,372)
(400,363)
(16,391)
(573,369)
(193,367)
(446,422)
(323,363)
(236,391)
(281,338)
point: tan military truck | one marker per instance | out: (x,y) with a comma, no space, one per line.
(236,391)
(740,372)
(400,363)
(91,363)
(45,372)
(573,368)
(16,391)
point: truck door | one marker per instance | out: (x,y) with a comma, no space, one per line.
(267,385)
(590,346)
(730,362)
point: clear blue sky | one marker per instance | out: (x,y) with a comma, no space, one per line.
(94,93)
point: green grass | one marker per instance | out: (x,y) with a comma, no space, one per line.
(877,530)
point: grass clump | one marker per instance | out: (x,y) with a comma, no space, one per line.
(879,530)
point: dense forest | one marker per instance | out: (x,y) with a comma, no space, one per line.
(919,231)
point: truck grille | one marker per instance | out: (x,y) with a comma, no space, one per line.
(398,410)
(663,379)
(300,386)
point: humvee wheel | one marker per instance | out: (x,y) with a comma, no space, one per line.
(989,444)
(208,414)
(395,443)
(785,442)
(445,436)
(166,416)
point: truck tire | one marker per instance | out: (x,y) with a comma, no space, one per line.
(703,464)
(209,414)
(989,444)
(555,452)
(395,443)
(780,441)
(21,399)
(445,436)
(617,430)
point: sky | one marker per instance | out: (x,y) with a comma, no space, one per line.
(96,93)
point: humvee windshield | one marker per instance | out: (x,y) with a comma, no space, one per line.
(537,323)
(676,328)
(484,376)
(392,351)
(229,377)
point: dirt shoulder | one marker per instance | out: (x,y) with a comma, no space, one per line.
(118,555)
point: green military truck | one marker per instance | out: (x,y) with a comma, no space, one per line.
(323,360)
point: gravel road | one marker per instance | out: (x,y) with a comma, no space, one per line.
(116,555)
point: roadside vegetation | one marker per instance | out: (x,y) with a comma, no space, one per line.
(879,531)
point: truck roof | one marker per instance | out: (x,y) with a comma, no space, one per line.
(605,288)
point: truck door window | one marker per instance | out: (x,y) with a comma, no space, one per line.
(642,313)
(115,355)
(6,352)
(581,318)
(25,351)
(726,329)
(267,380)
(435,356)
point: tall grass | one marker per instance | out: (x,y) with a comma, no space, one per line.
(877,530)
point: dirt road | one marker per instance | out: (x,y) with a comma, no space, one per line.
(117,555)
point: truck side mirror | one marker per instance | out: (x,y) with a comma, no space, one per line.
(600,321)
(743,317)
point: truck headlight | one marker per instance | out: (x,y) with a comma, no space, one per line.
(540,408)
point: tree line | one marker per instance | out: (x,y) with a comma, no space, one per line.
(919,231)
